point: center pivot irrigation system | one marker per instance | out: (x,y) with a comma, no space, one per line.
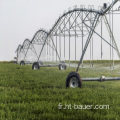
(69,39)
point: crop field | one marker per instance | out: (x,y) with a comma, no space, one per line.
(27,94)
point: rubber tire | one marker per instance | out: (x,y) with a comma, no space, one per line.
(22,63)
(37,64)
(62,66)
(73,74)
(15,62)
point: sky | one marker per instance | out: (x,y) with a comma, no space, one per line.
(20,19)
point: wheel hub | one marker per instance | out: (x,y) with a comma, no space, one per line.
(35,67)
(73,82)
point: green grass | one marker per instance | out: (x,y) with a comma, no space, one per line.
(26,94)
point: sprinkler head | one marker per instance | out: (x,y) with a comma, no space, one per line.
(104,6)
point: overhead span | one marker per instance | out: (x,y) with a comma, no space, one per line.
(39,37)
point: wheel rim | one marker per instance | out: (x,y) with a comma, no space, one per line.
(35,67)
(73,82)
(62,67)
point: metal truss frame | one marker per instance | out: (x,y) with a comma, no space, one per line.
(79,22)
(69,25)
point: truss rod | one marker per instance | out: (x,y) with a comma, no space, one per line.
(111,33)
(100,36)
(88,39)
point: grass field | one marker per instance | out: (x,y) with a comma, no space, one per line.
(26,94)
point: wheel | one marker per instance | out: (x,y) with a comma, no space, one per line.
(73,80)
(22,63)
(15,62)
(62,66)
(35,66)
